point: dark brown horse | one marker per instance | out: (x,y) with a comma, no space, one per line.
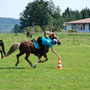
(2,50)
(27,47)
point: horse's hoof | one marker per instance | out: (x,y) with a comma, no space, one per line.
(15,64)
(34,66)
(31,65)
(40,61)
(1,57)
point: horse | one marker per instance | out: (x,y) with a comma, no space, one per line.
(2,49)
(27,47)
(48,33)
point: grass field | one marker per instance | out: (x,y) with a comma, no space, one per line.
(75,57)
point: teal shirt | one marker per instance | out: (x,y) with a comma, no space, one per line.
(47,41)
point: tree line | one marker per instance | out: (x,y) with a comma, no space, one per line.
(44,15)
(7,24)
(70,15)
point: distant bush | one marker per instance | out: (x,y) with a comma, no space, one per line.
(71,30)
(38,28)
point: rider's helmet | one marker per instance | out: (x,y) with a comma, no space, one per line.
(55,41)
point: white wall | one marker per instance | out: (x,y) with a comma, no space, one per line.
(69,26)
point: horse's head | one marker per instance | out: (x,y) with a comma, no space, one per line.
(53,36)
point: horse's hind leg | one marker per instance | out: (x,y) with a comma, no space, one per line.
(3,49)
(18,55)
(26,58)
(1,54)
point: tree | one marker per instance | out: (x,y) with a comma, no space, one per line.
(37,28)
(35,12)
(85,13)
(70,15)
(58,20)
(29,29)
(42,13)
(16,28)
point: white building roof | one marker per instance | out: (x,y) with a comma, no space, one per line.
(82,21)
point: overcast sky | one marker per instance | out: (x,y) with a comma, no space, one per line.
(13,8)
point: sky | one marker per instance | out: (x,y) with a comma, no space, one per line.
(13,8)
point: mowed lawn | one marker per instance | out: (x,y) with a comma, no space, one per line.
(74,75)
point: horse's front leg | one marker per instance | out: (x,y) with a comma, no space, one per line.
(46,59)
(40,61)
(37,62)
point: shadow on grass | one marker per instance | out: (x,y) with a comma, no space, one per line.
(14,67)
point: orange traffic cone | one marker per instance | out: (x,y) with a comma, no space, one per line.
(59,64)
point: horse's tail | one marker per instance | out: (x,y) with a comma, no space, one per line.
(3,49)
(14,47)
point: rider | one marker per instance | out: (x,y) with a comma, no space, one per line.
(43,42)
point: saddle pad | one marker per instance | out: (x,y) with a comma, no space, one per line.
(36,45)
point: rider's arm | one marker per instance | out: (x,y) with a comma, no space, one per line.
(46,36)
(55,52)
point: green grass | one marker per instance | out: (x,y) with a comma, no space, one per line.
(75,74)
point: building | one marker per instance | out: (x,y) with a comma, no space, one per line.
(82,25)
